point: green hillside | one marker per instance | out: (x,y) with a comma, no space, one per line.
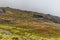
(16,24)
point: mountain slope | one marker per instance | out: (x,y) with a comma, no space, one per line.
(17,24)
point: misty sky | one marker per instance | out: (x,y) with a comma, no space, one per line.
(44,6)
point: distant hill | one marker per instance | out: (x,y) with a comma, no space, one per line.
(16,13)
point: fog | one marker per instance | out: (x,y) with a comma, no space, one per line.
(44,6)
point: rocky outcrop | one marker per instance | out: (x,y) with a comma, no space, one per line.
(2,10)
(48,17)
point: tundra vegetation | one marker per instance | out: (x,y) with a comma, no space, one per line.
(26,25)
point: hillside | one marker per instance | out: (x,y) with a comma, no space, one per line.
(17,24)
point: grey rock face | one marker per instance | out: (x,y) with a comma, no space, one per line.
(2,10)
(48,17)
